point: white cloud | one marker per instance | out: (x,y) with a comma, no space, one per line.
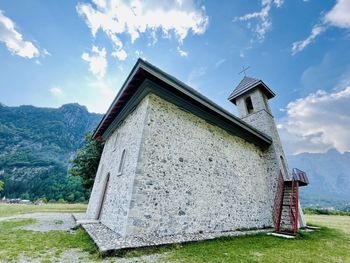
(104,91)
(139,54)
(97,61)
(243,50)
(14,40)
(120,54)
(95,93)
(116,17)
(300,45)
(317,122)
(338,16)
(182,52)
(56,91)
(104,87)
(219,63)
(46,53)
(264,23)
(195,75)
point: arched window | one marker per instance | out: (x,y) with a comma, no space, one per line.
(100,173)
(115,141)
(249,105)
(121,163)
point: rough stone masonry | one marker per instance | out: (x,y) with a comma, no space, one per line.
(176,167)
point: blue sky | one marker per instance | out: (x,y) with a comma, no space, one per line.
(57,52)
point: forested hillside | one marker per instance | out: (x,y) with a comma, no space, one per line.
(35,147)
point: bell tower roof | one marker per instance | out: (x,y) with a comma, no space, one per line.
(248,84)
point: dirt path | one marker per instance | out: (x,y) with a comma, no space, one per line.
(46,221)
(75,255)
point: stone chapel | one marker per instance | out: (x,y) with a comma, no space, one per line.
(176,167)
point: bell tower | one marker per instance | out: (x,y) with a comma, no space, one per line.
(251,97)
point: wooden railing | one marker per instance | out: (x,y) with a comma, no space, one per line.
(299,178)
(293,204)
(278,203)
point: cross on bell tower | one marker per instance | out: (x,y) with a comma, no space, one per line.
(244,69)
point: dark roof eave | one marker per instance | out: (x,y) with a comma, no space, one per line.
(208,103)
(268,92)
(95,134)
(184,89)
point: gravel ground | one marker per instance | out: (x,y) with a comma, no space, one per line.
(64,222)
(75,255)
(46,221)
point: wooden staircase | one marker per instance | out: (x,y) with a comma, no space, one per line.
(289,214)
(285,212)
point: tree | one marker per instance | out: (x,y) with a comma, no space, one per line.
(1,186)
(85,162)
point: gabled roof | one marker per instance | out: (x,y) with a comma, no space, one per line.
(247,84)
(177,92)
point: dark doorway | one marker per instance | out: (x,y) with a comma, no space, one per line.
(104,193)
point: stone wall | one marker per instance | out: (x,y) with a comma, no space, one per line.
(263,120)
(127,136)
(193,177)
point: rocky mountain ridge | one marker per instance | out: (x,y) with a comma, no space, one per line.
(37,143)
(329,176)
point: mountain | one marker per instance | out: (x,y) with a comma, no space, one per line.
(329,176)
(37,143)
(35,147)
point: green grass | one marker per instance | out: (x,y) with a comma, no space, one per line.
(16,209)
(323,211)
(330,244)
(341,223)
(326,245)
(15,242)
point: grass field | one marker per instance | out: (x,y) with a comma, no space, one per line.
(337,222)
(15,242)
(330,244)
(16,209)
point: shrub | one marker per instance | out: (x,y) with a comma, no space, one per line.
(61,201)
